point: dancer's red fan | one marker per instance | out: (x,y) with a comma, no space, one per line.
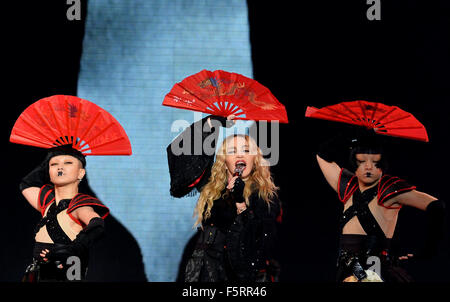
(383,119)
(63,119)
(223,93)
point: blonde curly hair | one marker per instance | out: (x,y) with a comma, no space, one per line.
(259,180)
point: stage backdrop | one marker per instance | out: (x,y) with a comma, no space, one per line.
(133,53)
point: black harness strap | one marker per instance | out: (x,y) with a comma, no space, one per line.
(360,209)
(50,220)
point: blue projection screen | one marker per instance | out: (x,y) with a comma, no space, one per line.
(133,53)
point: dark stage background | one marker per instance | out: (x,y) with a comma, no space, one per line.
(307,53)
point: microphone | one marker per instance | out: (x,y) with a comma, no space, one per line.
(238,170)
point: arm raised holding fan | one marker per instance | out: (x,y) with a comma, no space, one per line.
(191,154)
(72,221)
(328,158)
(237,212)
(238,208)
(68,216)
(31,184)
(372,198)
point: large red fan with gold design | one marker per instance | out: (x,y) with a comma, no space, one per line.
(64,119)
(383,119)
(223,93)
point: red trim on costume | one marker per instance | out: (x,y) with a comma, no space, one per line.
(397,192)
(90,204)
(76,220)
(44,204)
(280,216)
(197,180)
(339,186)
(79,198)
(85,197)
(347,192)
(39,196)
(76,202)
(93,204)
(385,186)
(39,199)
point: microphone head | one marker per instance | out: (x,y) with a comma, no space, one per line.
(238,170)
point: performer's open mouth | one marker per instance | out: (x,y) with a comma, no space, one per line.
(368,174)
(60,173)
(239,167)
(240,164)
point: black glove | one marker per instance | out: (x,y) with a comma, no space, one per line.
(335,149)
(435,213)
(222,120)
(80,246)
(36,178)
(238,190)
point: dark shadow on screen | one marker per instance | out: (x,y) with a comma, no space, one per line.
(187,252)
(117,255)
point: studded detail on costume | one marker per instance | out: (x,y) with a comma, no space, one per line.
(50,220)
(360,208)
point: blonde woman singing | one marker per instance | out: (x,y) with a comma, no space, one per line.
(238,208)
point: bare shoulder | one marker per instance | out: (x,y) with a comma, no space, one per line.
(331,171)
(83,209)
(31,194)
(413,198)
(85,214)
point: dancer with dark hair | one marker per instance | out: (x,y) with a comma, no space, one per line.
(71,221)
(372,200)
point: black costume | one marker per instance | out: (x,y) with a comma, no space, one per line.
(62,247)
(354,250)
(229,246)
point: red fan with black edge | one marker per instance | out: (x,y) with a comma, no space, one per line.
(64,119)
(223,93)
(383,119)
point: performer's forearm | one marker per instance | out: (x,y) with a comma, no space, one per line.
(435,213)
(36,178)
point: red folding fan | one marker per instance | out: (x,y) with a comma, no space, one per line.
(63,119)
(383,119)
(223,93)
